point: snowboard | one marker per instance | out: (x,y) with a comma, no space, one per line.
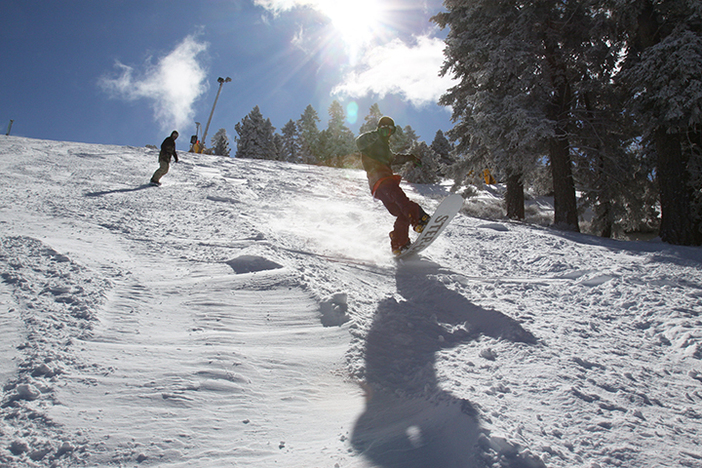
(441,218)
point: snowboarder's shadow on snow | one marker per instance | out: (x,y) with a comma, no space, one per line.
(408,422)
(124,190)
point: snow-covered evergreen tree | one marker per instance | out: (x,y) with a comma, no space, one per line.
(663,72)
(537,79)
(308,135)
(220,143)
(444,149)
(279,144)
(370,122)
(403,139)
(527,71)
(608,166)
(337,141)
(255,140)
(501,99)
(290,150)
(614,178)
(428,171)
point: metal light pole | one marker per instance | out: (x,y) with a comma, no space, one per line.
(221,81)
(194,142)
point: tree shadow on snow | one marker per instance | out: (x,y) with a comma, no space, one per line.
(680,255)
(408,421)
(124,190)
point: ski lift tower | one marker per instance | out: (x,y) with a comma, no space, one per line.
(221,81)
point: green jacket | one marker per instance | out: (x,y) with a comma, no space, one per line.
(377,158)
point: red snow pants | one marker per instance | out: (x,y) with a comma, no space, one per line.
(397,203)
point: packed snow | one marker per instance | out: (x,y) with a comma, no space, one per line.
(249,313)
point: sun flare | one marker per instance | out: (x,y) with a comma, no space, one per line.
(357,21)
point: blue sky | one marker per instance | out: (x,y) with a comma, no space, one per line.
(129,71)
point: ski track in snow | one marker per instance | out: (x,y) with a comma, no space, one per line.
(248,313)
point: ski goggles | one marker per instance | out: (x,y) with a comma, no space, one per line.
(386,130)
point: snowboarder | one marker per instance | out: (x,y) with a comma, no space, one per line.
(377,159)
(168,149)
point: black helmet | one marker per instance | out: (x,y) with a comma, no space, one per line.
(386,127)
(386,122)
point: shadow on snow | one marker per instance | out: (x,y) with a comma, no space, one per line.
(408,421)
(124,190)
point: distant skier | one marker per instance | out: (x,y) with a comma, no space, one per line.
(168,149)
(385,185)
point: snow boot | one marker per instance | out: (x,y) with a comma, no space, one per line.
(398,246)
(423,221)
(155,183)
(400,250)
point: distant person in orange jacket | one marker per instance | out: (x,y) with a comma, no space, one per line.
(168,149)
(377,159)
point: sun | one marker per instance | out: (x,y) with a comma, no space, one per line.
(358,22)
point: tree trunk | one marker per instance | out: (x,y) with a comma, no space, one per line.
(678,225)
(564,201)
(515,197)
(558,110)
(603,218)
(603,206)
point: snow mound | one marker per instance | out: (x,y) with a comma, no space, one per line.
(495,227)
(334,310)
(252,264)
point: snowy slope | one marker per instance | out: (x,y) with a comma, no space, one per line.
(248,313)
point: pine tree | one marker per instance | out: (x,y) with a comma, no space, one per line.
(279,145)
(308,135)
(403,139)
(255,139)
(444,149)
(337,141)
(370,123)
(290,150)
(526,69)
(500,103)
(560,34)
(612,176)
(601,137)
(428,171)
(663,73)
(220,143)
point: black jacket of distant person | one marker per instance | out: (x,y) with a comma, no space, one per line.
(168,149)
